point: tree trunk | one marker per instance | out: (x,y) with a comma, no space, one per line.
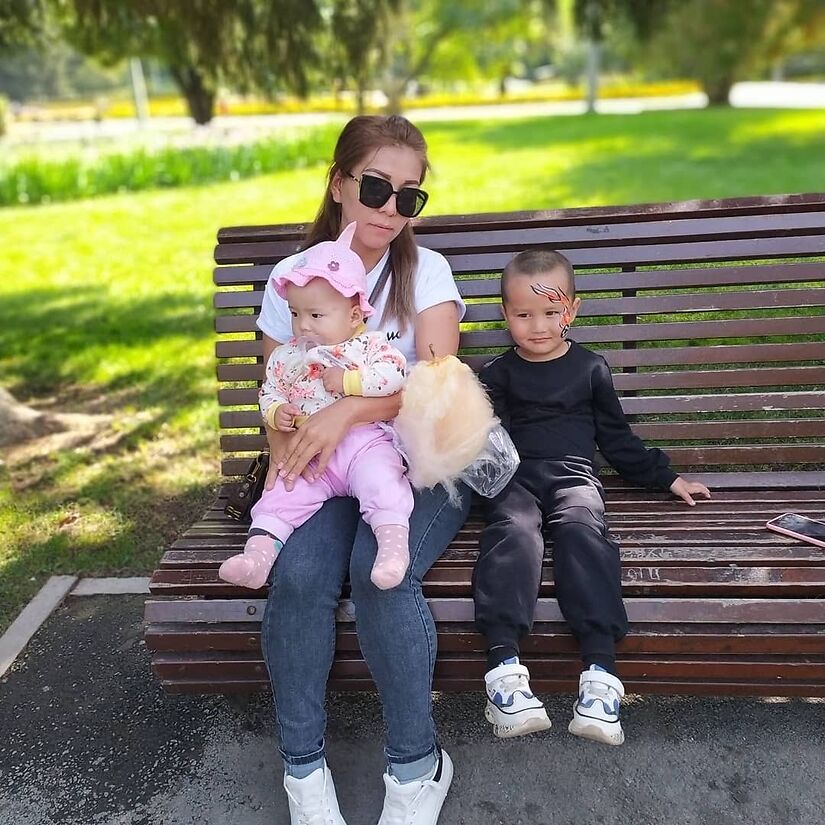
(395,97)
(19,423)
(593,68)
(360,94)
(200,98)
(718,90)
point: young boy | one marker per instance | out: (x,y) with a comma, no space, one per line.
(557,401)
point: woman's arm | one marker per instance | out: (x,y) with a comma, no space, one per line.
(324,430)
(436,327)
(436,331)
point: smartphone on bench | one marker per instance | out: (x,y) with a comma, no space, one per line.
(799,527)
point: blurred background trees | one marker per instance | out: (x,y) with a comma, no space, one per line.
(389,50)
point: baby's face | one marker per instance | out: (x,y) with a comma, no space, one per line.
(320,312)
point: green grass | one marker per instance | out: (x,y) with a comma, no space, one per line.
(105,306)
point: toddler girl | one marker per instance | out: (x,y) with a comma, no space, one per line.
(331,355)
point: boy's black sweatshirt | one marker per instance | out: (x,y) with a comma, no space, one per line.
(568,407)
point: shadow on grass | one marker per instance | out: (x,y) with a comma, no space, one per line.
(52,337)
(146,523)
(109,500)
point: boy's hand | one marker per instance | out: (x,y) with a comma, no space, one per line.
(333,379)
(285,417)
(687,489)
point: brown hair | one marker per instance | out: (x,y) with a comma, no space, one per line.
(362,136)
(536,261)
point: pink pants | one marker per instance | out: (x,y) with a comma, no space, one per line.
(364,465)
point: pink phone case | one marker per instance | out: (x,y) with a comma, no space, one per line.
(785,532)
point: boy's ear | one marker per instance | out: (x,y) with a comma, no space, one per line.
(574,308)
(503,310)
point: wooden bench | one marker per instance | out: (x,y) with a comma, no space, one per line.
(711,316)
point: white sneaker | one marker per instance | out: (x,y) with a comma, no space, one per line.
(417,803)
(596,711)
(312,800)
(512,709)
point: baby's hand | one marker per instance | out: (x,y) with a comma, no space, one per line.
(687,489)
(285,416)
(333,379)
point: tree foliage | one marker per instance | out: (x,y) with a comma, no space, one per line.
(20,22)
(719,42)
(263,44)
(413,33)
(360,35)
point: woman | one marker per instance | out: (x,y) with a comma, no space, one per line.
(378,167)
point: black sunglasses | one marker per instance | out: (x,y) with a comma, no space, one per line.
(375,192)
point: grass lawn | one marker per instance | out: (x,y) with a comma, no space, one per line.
(105,308)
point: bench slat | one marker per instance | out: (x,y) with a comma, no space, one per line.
(665,611)
(717,207)
(740,582)
(596,307)
(560,236)
(685,379)
(546,638)
(641,280)
(640,405)
(645,356)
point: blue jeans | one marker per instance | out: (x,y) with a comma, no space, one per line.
(395,628)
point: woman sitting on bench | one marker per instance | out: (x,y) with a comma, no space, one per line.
(374,180)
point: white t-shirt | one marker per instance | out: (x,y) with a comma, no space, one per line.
(434,285)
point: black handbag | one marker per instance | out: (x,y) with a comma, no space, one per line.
(248,490)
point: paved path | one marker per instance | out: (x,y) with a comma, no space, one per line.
(89,738)
(229,129)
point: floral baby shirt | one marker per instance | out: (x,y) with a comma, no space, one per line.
(294,372)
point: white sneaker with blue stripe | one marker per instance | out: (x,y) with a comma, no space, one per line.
(512,709)
(596,711)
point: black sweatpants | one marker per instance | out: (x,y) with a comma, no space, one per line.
(586,565)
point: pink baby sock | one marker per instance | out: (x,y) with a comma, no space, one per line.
(393,555)
(250,568)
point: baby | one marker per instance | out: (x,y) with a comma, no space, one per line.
(331,355)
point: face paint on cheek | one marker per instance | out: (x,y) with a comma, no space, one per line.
(556,296)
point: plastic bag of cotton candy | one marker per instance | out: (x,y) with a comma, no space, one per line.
(448,433)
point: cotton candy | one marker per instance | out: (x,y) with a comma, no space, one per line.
(443,423)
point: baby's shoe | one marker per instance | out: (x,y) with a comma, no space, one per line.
(512,709)
(251,568)
(596,711)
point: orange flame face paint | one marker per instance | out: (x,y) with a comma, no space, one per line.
(556,296)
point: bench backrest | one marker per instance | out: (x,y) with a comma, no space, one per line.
(709,312)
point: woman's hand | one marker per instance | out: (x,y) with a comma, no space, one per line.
(318,436)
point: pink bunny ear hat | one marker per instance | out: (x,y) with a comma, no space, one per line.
(335,262)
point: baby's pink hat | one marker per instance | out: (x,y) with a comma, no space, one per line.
(335,262)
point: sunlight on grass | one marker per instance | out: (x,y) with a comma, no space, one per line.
(106,307)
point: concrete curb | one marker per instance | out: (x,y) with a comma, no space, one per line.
(15,639)
(48,599)
(112,586)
